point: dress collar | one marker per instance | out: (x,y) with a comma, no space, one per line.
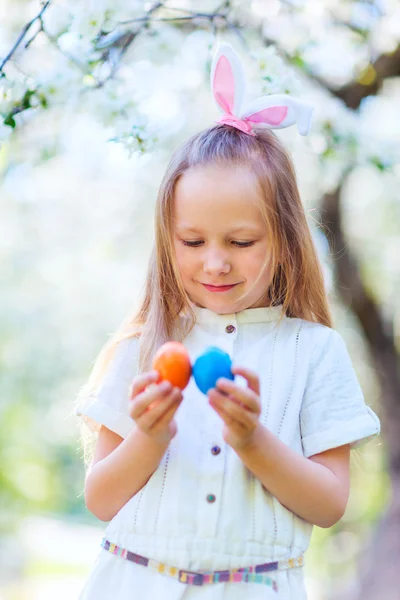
(249,315)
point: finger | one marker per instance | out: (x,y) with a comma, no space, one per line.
(228,407)
(243,396)
(140,382)
(230,422)
(251,377)
(158,415)
(150,418)
(169,414)
(152,395)
(156,394)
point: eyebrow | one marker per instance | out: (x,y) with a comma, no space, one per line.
(187,229)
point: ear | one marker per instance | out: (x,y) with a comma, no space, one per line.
(228,79)
(278,111)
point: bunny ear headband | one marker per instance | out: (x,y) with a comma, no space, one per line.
(277,111)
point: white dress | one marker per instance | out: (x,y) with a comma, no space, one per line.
(311,400)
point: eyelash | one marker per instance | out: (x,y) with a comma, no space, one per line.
(197,244)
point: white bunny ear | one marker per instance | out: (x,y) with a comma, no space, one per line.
(228,79)
(279,111)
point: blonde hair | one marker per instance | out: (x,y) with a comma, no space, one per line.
(297,277)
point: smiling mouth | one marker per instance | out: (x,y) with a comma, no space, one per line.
(218,288)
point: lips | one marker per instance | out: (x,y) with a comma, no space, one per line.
(219,288)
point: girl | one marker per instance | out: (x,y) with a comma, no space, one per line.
(216,497)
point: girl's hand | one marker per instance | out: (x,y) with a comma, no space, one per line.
(239,408)
(152,406)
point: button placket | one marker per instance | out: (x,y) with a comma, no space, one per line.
(212,482)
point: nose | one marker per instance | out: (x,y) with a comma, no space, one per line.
(216,262)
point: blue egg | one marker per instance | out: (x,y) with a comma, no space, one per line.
(210,366)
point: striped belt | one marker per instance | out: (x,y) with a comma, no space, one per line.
(253,574)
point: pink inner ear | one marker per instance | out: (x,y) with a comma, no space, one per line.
(224,85)
(273,116)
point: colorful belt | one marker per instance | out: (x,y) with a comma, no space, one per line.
(253,574)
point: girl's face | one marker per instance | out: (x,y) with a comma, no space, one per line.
(220,238)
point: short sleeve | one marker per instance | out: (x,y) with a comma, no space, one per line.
(109,404)
(333,411)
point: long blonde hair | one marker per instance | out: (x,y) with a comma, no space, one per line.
(297,281)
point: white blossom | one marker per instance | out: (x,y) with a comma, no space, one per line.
(11,93)
(195,49)
(5,132)
(57,19)
(94,15)
(88,18)
(162,44)
(137,138)
(63,83)
(76,45)
(277,77)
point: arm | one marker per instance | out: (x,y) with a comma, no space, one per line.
(121,467)
(127,466)
(316,488)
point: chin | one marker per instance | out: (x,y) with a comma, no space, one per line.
(220,307)
(225,310)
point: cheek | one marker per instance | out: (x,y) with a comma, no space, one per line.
(179,257)
(256,263)
(185,261)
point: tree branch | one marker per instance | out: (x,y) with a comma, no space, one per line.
(368,83)
(387,65)
(129,36)
(22,36)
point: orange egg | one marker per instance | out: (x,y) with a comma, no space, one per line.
(172,361)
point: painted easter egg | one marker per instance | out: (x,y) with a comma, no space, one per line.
(210,366)
(172,361)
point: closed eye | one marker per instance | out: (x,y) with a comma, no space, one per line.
(243,244)
(196,244)
(191,244)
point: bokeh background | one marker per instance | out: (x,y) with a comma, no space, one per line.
(94,96)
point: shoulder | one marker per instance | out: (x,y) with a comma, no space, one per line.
(125,352)
(128,345)
(316,339)
(310,332)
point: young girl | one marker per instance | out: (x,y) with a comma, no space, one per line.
(215,497)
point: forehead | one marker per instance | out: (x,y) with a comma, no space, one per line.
(210,196)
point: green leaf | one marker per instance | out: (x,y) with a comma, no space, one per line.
(9,120)
(26,100)
(43,100)
(378,164)
(298,61)
(329,152)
